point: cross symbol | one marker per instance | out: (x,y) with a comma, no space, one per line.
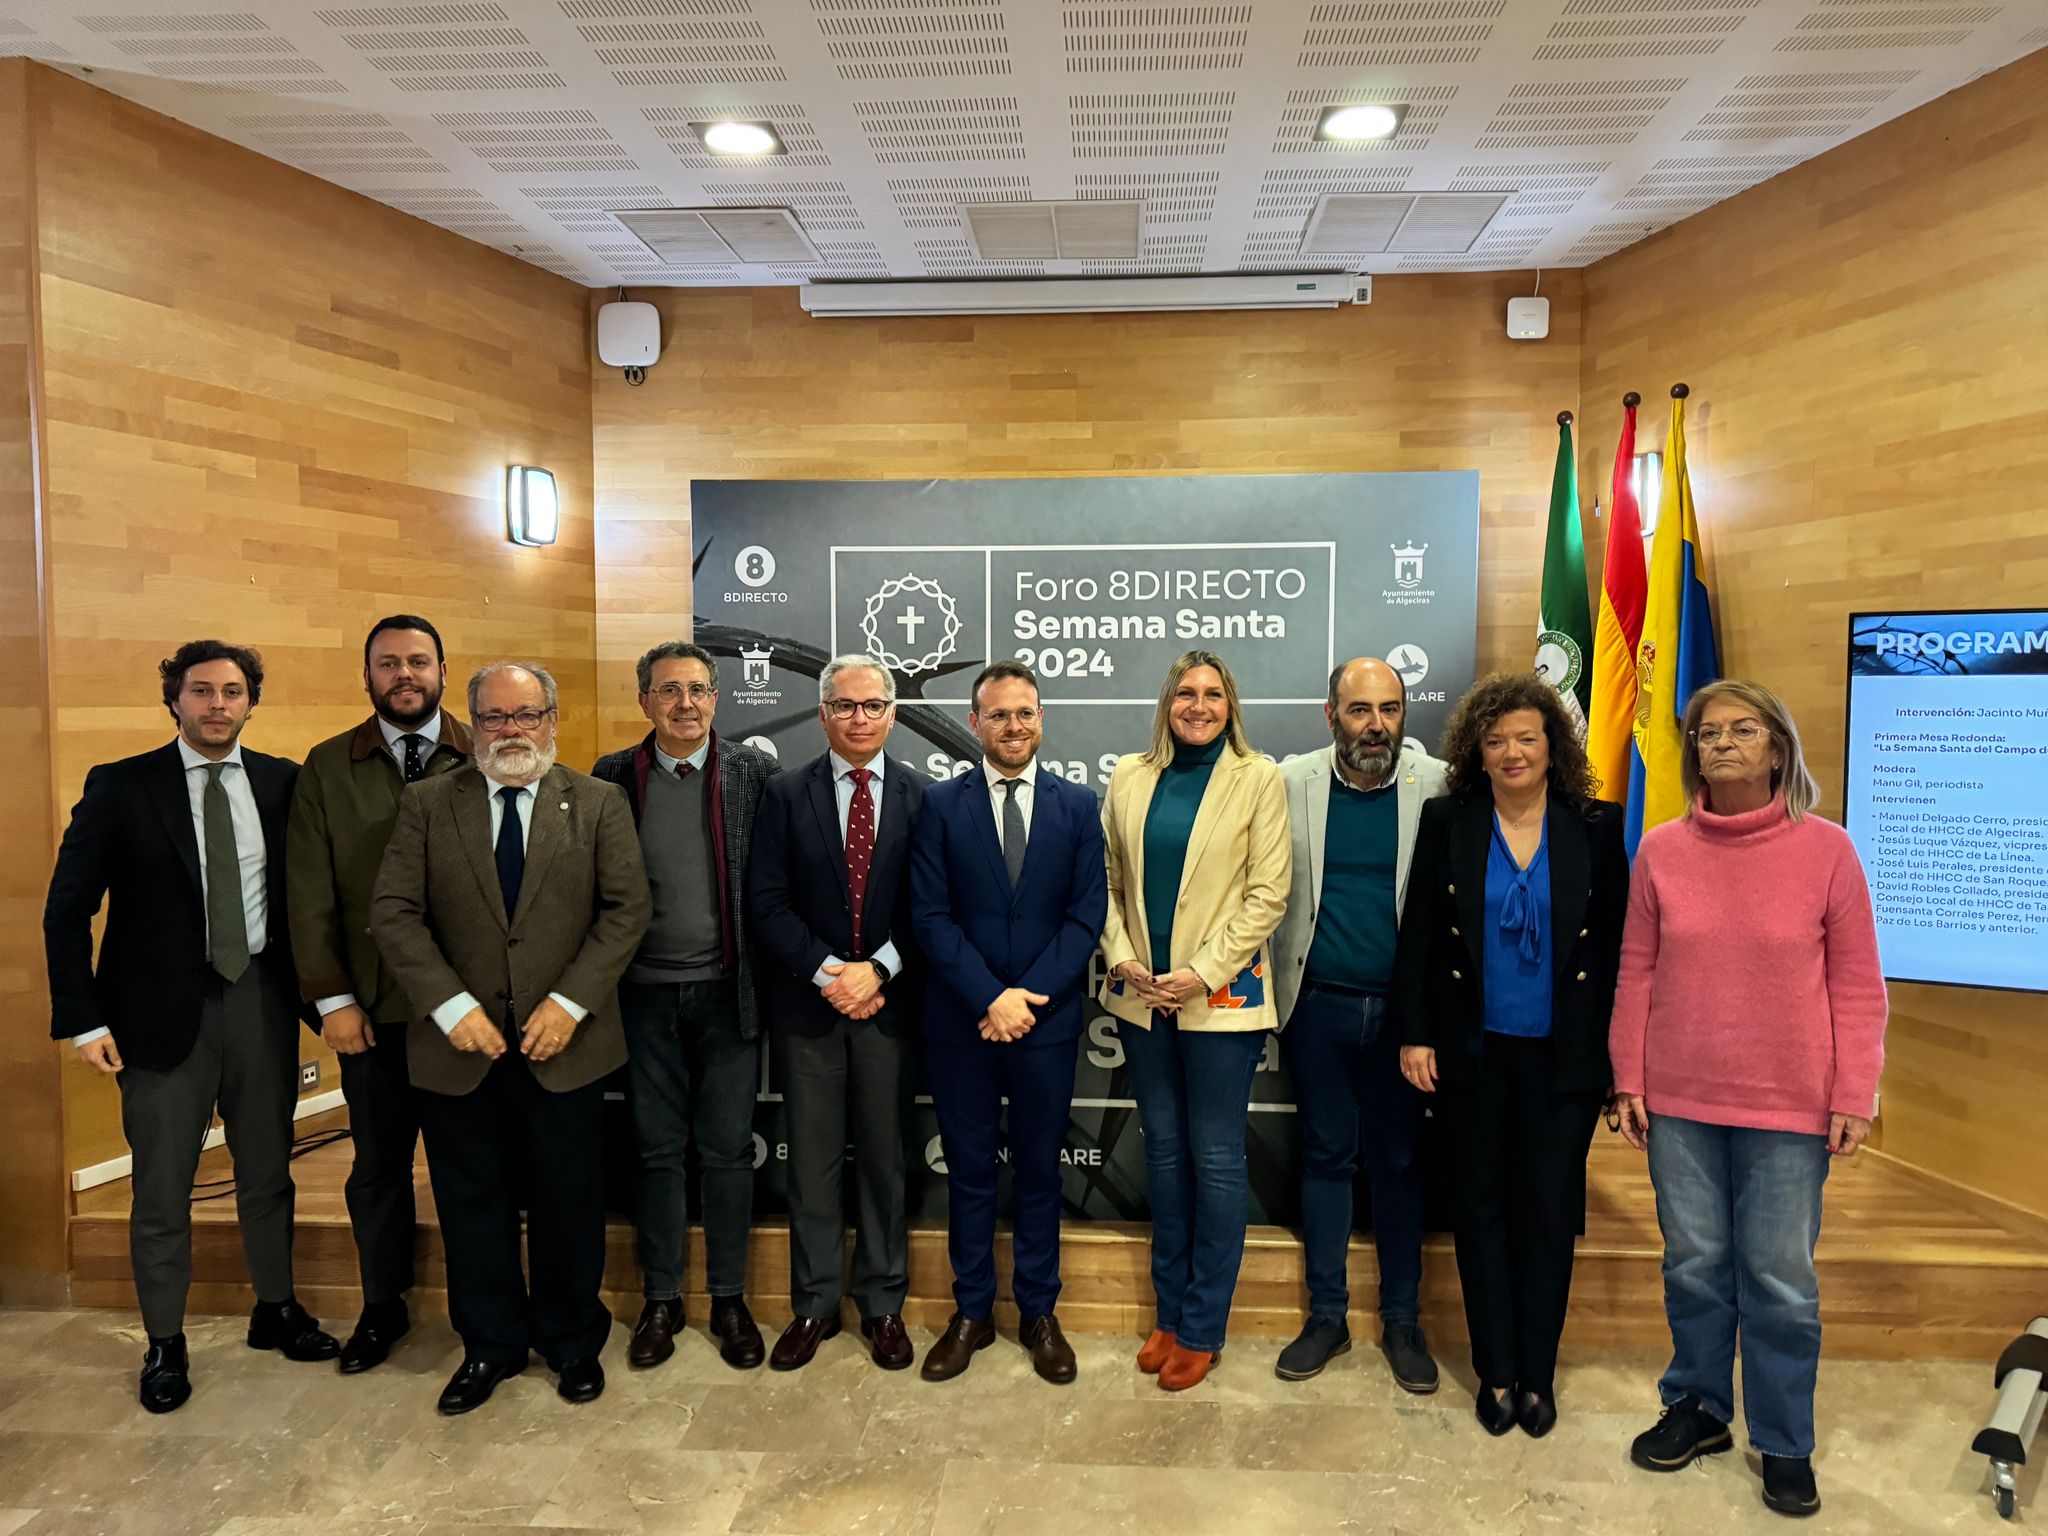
(910,620)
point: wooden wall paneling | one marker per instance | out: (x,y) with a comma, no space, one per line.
(277,411)
(1867,430)
(749,386)
(33,1207)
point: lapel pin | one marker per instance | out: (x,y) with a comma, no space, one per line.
(565,805)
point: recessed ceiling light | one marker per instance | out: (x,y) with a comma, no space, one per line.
(1349,124)
(730,138)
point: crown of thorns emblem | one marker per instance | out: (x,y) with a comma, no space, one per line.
(910,619)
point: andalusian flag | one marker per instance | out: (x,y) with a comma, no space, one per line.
(1677,655)
(1611,724)
(1564,620)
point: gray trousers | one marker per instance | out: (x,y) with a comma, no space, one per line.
(856,1080)
(245,1062)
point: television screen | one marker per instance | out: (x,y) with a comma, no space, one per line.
(1946,792)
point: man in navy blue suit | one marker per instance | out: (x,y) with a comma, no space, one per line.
(1007,900)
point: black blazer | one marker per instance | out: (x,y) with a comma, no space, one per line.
(800,909)
(131,843)
(1439,988)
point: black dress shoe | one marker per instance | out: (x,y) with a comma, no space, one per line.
(800,1341)
(1051,1355)
(582,1381)
(166,1378)
(377,1330)
(473,1383)
(1496,1413)
(739,1340)
(290,1328)
(1536,1412)
(888,1341)
(654,1336)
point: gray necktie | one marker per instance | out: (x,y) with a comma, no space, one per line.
(1013,833)
(227,923)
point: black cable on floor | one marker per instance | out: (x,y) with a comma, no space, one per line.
(222,1188)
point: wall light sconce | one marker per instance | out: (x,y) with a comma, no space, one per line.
(533,513)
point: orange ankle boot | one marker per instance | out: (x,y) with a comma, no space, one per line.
(1154,1354)
(1186,1368)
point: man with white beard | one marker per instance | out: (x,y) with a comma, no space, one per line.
(510,901)
(1353,809)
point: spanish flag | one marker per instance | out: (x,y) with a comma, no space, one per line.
(1611,722)
(1677,654)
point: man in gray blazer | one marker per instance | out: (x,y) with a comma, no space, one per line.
(510,901)
(1353,808)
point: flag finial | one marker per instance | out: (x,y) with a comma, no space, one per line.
(1631,400)
(1564,418)
(1680,391)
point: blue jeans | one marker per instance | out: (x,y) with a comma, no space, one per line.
(1192,1088)
(1740,1211)
(1350,1099)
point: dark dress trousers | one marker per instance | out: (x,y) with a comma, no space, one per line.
(511,1132)
(693,1052)
(1520,1112)
(844,1081)
(189,1041)
(342,815)
(981,936)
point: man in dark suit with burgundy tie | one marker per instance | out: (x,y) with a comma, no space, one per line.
(1008,892)
(342,816)
(193,1003)
(828,900)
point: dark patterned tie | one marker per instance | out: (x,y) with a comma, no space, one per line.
(227,920)
(511,851)
(860,846)
(684,770)
(1013,833)
(415,759)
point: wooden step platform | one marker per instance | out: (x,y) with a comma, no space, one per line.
(1911,1267)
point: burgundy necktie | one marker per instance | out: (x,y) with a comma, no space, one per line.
(860,845)
(684,770)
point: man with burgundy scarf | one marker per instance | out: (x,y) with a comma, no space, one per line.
(693,1030)
(828,894)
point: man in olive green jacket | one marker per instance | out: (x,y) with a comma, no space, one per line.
(342,815)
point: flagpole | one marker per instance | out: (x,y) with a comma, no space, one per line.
(1631,400)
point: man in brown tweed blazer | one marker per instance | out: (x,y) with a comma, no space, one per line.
(511,899)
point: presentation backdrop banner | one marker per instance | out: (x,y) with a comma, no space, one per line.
(1099,584)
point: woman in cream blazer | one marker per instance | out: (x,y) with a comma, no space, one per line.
(1199,861)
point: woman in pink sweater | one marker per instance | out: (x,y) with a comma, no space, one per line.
(1747,1039)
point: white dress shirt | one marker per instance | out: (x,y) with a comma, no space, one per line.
(394,743)
(1027,794)
(696,760)
(250,851)
(452,1012)
(842,791)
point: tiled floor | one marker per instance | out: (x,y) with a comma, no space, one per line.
(267,1448)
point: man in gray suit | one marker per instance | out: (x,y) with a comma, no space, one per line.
(510,901)
(1353,809)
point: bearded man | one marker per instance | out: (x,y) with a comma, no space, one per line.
(1353,809)
(509,904)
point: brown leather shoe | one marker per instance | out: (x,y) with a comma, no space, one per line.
(800,1341)
(1153,1355)
(1186,1368)
(955,1348)
(887,1341)
(654,1336)
(739,1340)
(1051,1355)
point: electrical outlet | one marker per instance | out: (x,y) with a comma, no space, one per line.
(309,1075)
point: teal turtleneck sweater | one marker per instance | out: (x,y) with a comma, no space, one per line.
(1169,821)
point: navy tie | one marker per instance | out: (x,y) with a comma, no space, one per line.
(511,851)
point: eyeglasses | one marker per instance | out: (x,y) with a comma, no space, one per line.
(675,693)
(842,709)
(1026,717)
(1742,733)
(492,721)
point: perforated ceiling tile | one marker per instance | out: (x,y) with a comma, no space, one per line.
(677,125)
(585,210)
(215,53)
(1150,123)
(212,21)
(1292,194)
(1815,106)
(411,15)
(1362,223)
(1426,105)
(1373,36)
(914,39)
(1642,29)
(1138,38)
(933,202)
(1170,197)
(825,207)
(1570,114)
(1861,26)
(943,131)
(563,140)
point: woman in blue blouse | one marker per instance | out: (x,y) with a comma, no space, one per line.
(1503,983)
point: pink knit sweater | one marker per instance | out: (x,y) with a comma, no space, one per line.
(1750,990)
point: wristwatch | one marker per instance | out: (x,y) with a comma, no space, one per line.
(881,970)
